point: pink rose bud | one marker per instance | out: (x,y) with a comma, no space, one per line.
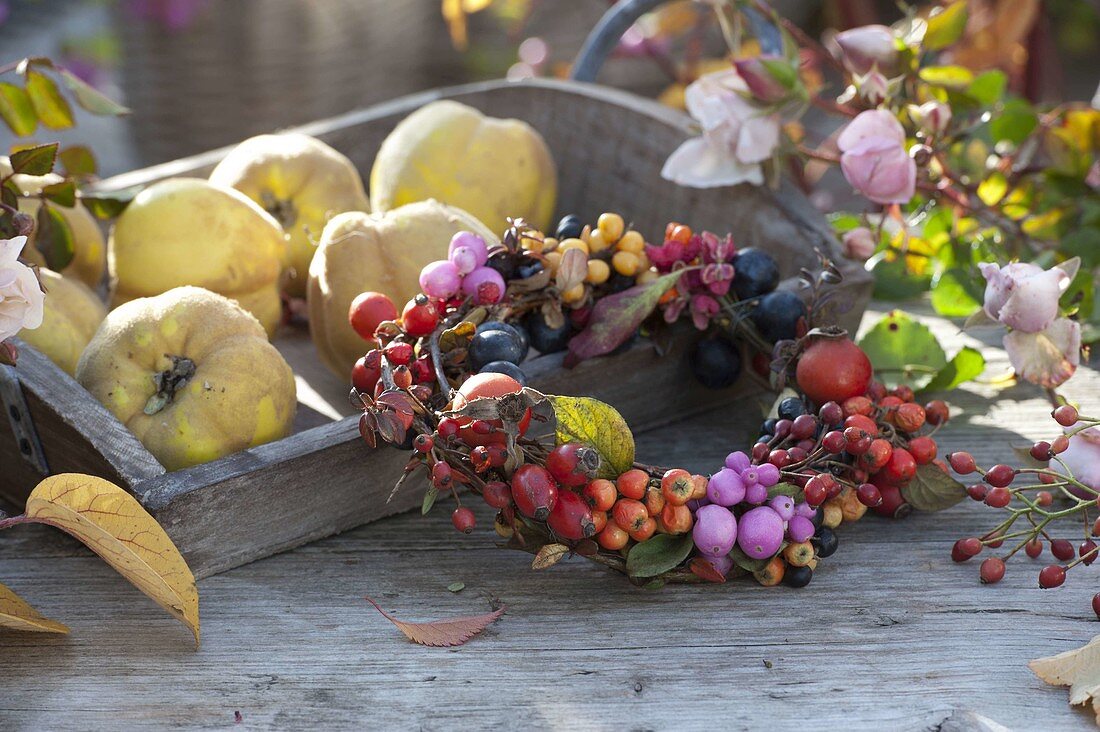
(873,88)
(1022,295)
(859,243)
(874,159)
(759,73)
(867,47)
(932,117)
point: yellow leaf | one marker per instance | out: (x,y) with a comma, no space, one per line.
(1078,669)
(114,525)
(17,614)
(549,555)
(593,423)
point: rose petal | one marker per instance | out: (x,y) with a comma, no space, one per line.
(1033,303)
(698,164)
(10,249)
(873,123)
(1047,358)
(1082,457)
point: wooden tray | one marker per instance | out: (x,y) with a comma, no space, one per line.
(609,147)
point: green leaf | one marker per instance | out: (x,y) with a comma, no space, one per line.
(893,280)
(948,77)
(1083,242)
(78,161)
(49,105)
(616,317)
(946,27)
(109,205)
(63,193)
(747,563)
(37,160)
(658,554)
(931,489)
(967,364)
(53,237)
(91,99)
(429,500)
(955,295)
(1015,122)
(903,351)
(16,110)
(987,88)
(784,489)
(456,587)
(598,425)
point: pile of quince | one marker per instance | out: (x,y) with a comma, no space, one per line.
(201,274)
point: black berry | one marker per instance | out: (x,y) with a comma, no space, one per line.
(755,273)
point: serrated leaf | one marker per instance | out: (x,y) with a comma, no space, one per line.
(78,161)
(658,554)
(90,98)
(16,614)
(53,237)
(16,110)
(52,108)
(598,425)
(1078,669)
(931,489)
(747,563)
(442,633)
(946,26)
(967,364)
(36,160)
(903,351)
(63,193)
(108,206)
(549,555)
(111,522)
(615,317)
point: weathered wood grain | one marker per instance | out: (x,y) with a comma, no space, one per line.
(609,146)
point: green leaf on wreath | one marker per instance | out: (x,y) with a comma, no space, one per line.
(53,237)
(931,489)
(988,87)
(16,110)
(747,563)
(967,364)
(946,26)
(903,351)
(37,160)
(784,489)
(598,425)
(658,554)
(429,500)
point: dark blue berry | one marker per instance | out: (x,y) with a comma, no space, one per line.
(529,270)
(494,345)
(507,368)
(777,314)
(825,540)
(515,329)
(505,263)
(755,273)
(817,518)
(618,283)
(570,227)
(790,408)
(545,339)
(797,576)
(715,363)
(768,428)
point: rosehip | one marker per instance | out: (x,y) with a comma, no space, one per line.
(993,539)
(909,417)
(869,494)
(402,377)
(573,464)
(463,519)
(877,455)
(1034,548)
(923,450)
(398,353)
(600,494)
(782,428)
(497,494)
(442,476)
(779,458)
(834,442)
(831,413)
(992,570)
(857,441)
(971,546)
(1062,549)
(423,443)
(876,390)
(962,462)
(448,427)
(816,490)
(535,492)
(1040,451)
(893,503)
(863,422)
(1060,444)
(903,392)
(998,497)
(364,378)
(571,518)
(367,310)
(803,426)
(936,412)
(1052,576)
(857,405)
(1065,415)
(901,467)
(1087,550)
(419,317)
(1000,475)
(796,455)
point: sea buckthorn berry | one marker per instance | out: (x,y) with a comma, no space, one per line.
(423,443)
(611,225)
(923,449)
(831,413)
(676,519)
(1000,475)
(903,392)
(834,442)
(936,412)
(799,554)
(909,417)
(992,570)
(613,537)
(627,264)
(497,494)
(631,241)
(573,464)
(1052,576)
(1065,415)
(962,462)
(535,492)
(857,405)
(571,518)
(645,531)
(1087,551)
(654,501)
(998,497)
(901,467)
(677,486)
(772,573)
(803,426)
(1059,445)
(1062,549)
(629,513)
(877,456)
(1034,548)
(600,494)
(869,494)
(463,519)
(633,483)
(442,476)
(1040,450)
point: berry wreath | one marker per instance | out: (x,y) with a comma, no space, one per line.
(445,380)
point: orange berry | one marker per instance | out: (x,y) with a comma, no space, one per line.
(599,520)
(629,513)
(700,483)
(677,485)
(632,483)
(678,232)
(646,530)
(676,519)
(654,501)
(612,537)
(600,494)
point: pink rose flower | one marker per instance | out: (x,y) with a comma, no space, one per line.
(1047,358)
(859,243)
(21,297)
(868,47)
(874,159)
(1022,295)
(737,135)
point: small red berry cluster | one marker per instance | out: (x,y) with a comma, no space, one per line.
(1037,496)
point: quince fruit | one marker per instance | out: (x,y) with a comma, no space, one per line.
(375,252)
(70,315)
(188,231)
(302,183)
(89,260)
(492,168)
(191,374)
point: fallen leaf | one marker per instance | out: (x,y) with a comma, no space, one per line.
(442,633)
(931,489)
(456,587)
(15,613)
(111,522)
(703,569)
(1078,669)
(549,555)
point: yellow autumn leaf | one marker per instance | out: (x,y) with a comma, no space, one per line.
(1078,669)
(15,613)
(114,525)
(598,425)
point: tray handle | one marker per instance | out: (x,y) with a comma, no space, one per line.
(609,30)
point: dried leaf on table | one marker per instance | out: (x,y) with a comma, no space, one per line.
(1078,669)
(549,555)
(15,613)
(442,633)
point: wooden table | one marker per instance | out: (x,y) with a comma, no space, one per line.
(890,635)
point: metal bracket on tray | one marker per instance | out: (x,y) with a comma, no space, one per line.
(19,416)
